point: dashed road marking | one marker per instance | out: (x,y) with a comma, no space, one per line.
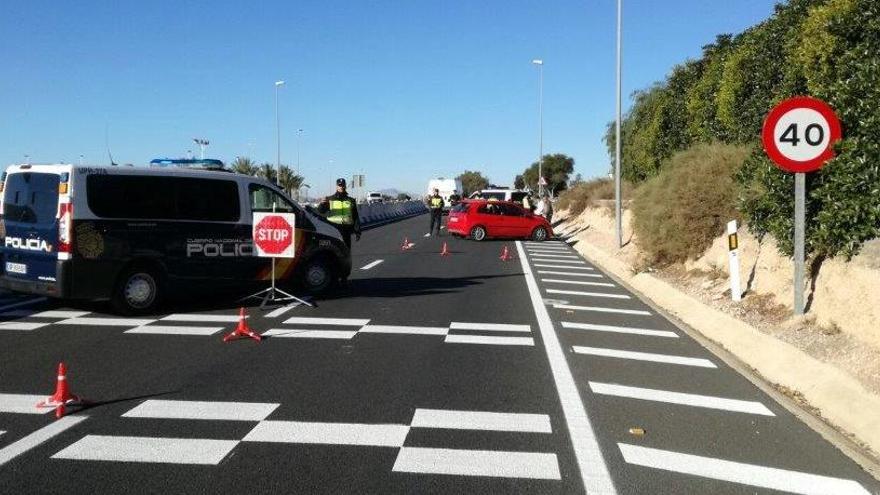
(694,400)
(481,420)
(599,309)
(575,282)
(616,329)
(22,404)
(36,438)
(202,318)
(174,330)
(303,320)
(105,322)
(376,435)
(296,333)
(645,356)
(541,265)
(21,325)
(404,330)
(489,340)
(738,472)
(283,309)
(148,449)
(187,409)
(490,463)
(371,265)
(588,294)
(489,327)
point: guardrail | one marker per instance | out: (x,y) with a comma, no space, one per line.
(375,214)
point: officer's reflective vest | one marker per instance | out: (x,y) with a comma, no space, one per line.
(340,212)
(436,202)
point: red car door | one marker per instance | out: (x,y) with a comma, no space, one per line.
(516,222)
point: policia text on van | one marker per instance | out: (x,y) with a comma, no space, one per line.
(137,235)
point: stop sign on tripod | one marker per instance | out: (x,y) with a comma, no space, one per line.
(273,234)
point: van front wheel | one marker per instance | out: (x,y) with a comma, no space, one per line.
(137,292)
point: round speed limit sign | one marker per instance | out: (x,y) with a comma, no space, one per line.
(799,134)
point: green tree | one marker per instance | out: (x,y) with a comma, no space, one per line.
(288,180)
(556,169)
(519,182)
(472,181)
(244,165)
(267,171)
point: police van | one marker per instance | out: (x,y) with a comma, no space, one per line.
(138,235)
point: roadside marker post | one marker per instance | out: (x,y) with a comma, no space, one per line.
(799,135)
(733,258)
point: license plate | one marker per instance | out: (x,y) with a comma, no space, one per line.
(19,268)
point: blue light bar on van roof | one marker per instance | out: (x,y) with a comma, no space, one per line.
(187,163)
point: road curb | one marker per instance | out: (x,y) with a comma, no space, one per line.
(846,407)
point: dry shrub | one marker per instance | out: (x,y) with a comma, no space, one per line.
(585,194)
(678,213)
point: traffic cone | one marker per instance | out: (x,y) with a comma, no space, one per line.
(62,396)
(505,254)
(445,251)
(242,330)
(405,245)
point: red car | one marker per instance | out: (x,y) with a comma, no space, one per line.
(479,219)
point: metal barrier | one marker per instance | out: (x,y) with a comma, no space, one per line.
(379,213)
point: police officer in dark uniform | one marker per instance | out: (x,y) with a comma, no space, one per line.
(341,210)
(435,203)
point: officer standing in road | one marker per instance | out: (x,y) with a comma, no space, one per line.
(435,203)
(341,210)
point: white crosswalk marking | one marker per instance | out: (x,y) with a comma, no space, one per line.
(588,268)
(570,274)
(404,330)
(22,404)
(148,449)
(575,282)
(738,472)
(371,265)
(705,401)
(490,463)
(376,435)
(106,322)
(174,330)
(349,322)
(187,409)
(489,340)
(489,327)
(2,432)
(554,260)
(615,329)
(203,318)
(645,356)
(589,294)
(283,309)
(481,420)
(296,333)
(551,255)
(38,437)
(59,314)
(599,309)
(21,325)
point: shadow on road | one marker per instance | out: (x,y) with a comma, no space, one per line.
(410,286)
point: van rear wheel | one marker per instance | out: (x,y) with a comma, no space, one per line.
(137,292)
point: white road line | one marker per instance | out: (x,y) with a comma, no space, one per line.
(148,449)
(644,356)
(615,329)
(705,401)
(738,472)
(202,318)
(371,265)
(188,409)
(280,311)
(541,265)
(543,243)
(376,435)
(490,463)
(174,330)
(21,325)
(59,314)
(575,282)
(554,260)
(23,303)
(404,330)
(593,470)
(489,327)
(36,438)
(570,274)
(481,420)
(300,333)
(602,310)
(589,294)
(548,249)
(2,432)
(489,340)
(347,322)
(552,255)
(105,322)
(22,404)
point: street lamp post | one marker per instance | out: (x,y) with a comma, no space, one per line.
(618,226)
(278,84)
(298,134)
(540,64)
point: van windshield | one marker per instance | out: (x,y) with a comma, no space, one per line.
(31,197)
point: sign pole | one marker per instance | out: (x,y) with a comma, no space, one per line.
(799,221)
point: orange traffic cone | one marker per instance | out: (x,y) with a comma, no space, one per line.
(505,254)
(62,396)
(242,330)
(445,251)
(406,245)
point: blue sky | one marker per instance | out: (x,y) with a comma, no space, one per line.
(402,91)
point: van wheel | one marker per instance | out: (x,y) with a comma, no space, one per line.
(137,292)
(318,275)
(539,234)
(478,233)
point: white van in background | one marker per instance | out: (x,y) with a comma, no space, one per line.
(447,187)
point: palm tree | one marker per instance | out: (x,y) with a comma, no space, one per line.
(288,180)
(267,171)
(244,165)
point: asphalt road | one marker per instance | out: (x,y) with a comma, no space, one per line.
(428,374)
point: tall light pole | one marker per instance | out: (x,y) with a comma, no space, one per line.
(540,64)
(203,143)
(618,226)
(278,84)
(298,134)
